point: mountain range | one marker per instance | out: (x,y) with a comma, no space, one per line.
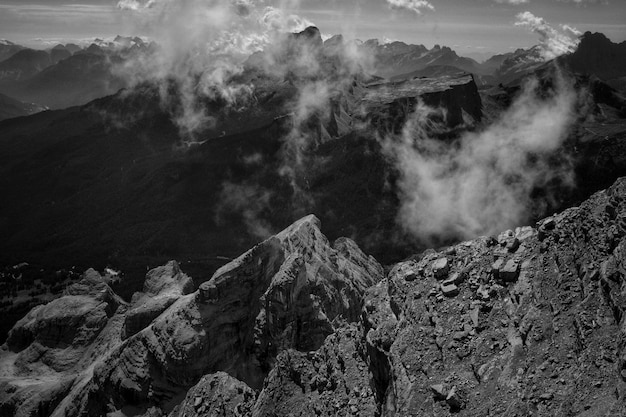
(270,310)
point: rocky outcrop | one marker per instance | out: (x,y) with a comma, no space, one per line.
(536,325)
(333,380)
(287,293)
(597,55)
(58,333)
(284,293)
(389,105)
(217,394)
(162,287)
(531,320)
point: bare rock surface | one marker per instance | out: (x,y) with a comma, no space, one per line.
(288,292)
(536,328)
(528,323)
(284,293)
(334,380)
(162,287)
(218,394)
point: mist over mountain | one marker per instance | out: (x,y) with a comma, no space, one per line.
(239,217)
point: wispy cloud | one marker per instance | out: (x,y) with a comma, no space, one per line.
(554,42)
(416,6)
(512,1)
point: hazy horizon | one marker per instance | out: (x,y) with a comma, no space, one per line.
(476,28)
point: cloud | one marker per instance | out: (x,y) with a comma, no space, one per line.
(583,2)
(416,6)
(512,1)
(483,183)
(553,42)
(135,5)
(201,47)
(250,202)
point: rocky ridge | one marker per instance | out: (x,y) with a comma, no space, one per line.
(528,322)
(101,354)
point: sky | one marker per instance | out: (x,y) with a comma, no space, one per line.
(471,27)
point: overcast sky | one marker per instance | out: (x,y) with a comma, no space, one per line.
(469,26)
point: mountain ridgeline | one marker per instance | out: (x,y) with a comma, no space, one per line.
(263,263)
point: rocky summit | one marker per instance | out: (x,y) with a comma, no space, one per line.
(91,353)
(529,322)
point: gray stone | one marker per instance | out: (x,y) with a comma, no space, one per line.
(456,279)
(208,292)
(411,276)
(441,268)
(450,290)
(454,400)
(510,271)
(439,392)
(496,266)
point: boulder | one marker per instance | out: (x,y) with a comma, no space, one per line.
(510,272)
(441,268)
(449,290)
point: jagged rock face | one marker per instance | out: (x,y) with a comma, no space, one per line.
(597,55)
(388,105)
(216,394)
(162,287)
(333,380)
(58,333)
(531,321)
(536,325)
(288,292)
(48,351)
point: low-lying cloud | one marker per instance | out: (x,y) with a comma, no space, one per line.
(200,46)
(482,184)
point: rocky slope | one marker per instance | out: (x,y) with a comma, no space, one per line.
(597,55)
(8,49)
(10,107)
(528,322)
(101,354)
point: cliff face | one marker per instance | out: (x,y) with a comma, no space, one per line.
(597,55)
(289,292)
(388,105)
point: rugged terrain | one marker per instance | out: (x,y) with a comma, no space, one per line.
(115,183)
(527,322)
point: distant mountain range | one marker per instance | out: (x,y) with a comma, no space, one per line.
(396,58)
(65,75)
(69,75)
(10,107)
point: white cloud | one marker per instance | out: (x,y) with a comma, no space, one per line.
(417,6)
(585,1)
(513,1)
(553,42)
(483,183)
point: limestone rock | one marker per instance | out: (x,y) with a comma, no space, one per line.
(510,271)
(216,394)
(284,293)
(330,381)
(441,268)
(516,327)
(162,287)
